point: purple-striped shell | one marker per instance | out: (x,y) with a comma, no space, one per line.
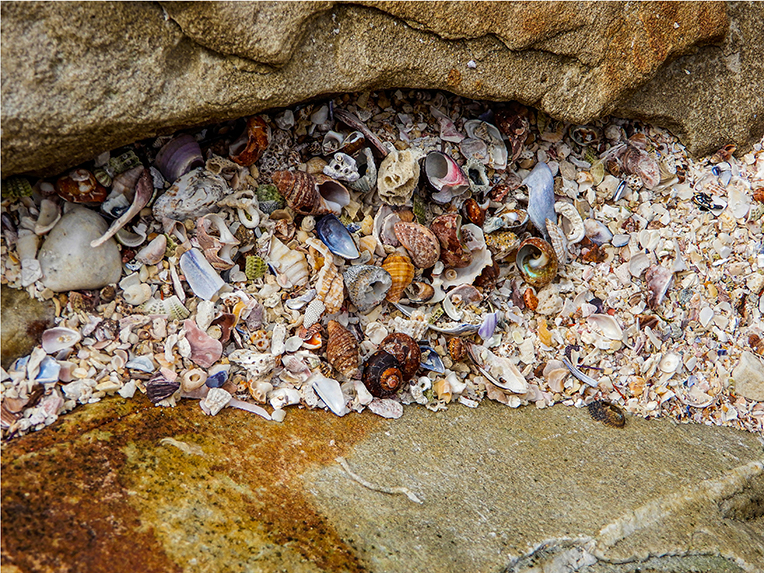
(178,157)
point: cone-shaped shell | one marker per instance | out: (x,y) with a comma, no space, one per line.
(367,285)
(299,190)
(420,242)
(342,350)
(401,270)
(536,261)
(406,350)
(382,374)
(452,252)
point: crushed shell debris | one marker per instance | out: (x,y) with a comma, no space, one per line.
(268,262)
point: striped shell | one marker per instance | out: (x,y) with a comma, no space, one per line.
(420,242)
(330,288)
(160,388)
(401,270)
(311,194)
(289,262)
(558,241)
(342,350)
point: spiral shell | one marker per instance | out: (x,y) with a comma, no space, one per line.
(406,351)
(420,242)
(536,261)
(252,143)
(342,350)
(401,270)
(255,267)
(311,194)
(452,252)
(607,413)
(419,291)
(382,374)
(330,288)
(289,262)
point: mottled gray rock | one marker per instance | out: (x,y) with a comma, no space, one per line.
(749,377)
(71,90)
(23,321)
(68,261)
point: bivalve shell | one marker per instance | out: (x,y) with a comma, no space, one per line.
(420,242)
(401,271)
(59,338)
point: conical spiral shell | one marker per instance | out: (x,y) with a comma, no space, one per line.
(330,288)
(342,349)
(401,270)
(420,242)
(299,190)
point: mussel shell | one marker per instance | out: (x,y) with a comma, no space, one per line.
(536,261)
(159,388)
(382,374)
(335,236)
(540,183)
(406,351)
(431,360)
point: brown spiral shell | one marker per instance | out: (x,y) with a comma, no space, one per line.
(251,145)
(457,348)
(452,252)
(401,270)
(342,349)
(299,190)
(607,413)
(406,351)
(420,242)
(514,123)
(382,374)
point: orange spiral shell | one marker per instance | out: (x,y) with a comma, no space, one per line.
(401,270)
(342,349)
(299,190)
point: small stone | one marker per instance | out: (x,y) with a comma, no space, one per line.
(749,377)
(69,262)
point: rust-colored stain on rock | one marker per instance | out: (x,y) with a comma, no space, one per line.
(104,493)
(454,78)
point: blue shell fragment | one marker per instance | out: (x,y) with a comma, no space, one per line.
(431,360)
(335,236)
(217,379)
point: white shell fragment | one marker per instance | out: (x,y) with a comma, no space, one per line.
(200,276)
(330,392)
(60,338)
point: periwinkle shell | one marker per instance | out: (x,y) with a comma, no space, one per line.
(382,374)
(536,261)
(406,351)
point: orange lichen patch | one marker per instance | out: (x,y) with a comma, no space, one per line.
(105,493)
(454,77)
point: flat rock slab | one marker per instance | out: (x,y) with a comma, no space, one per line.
(123,486)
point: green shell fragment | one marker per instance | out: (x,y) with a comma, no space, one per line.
(345,220)
(419,209)
(102,176)
(171,246)
(269,199)
(590,155)
(15,187)
(122,163)
(436,314)
(255,267)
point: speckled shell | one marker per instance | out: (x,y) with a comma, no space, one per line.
(367,285)
(330,288)
(513,122)
(420,242)
(401,270)
(253,142)
(299,190)
(502,244)
(536,261)
(452,252)
(382,374)
(607,413)
(342,350)
(195,194)
(80,186)
(406,351)
(457,348)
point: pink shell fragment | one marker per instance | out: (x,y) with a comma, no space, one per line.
(205,350)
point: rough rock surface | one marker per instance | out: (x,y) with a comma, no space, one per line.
(123,486)
(68,261)
(23,321)
(82,78)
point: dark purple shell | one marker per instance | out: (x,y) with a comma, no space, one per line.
(382,374)
(159,388)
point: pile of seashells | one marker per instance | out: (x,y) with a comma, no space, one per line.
(391,248)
